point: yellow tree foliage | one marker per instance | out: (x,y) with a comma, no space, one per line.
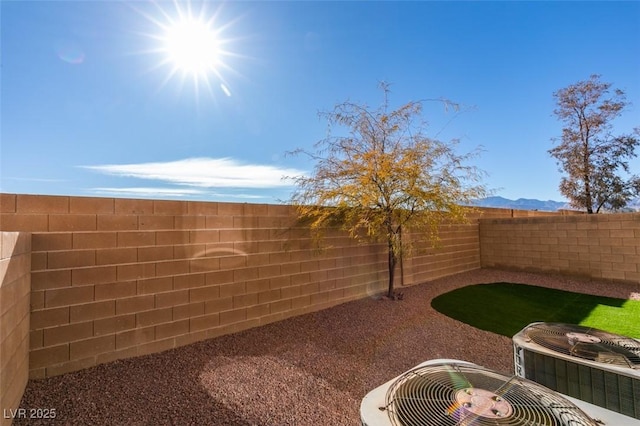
(385,174)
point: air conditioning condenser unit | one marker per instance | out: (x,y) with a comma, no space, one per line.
(591,365)
(458,393)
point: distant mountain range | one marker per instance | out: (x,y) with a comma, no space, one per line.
(522,204)
(533,204)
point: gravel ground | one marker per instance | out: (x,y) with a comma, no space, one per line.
(310,370)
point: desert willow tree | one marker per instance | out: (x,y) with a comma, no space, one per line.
(588,153)
(385,175)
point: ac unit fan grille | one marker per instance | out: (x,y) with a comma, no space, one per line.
(587,343)
(461,395)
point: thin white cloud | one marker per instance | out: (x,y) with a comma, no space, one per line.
(34,179)
(240,196)
(148,192)
(205,173)
(170,192)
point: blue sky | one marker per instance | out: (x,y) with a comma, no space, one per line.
(93,105)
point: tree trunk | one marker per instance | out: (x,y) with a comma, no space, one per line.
(587,179)
(401,257)
(392,268)
(587,195)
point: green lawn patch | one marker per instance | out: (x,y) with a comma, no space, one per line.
(506,308)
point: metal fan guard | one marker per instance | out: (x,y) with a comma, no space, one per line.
(431,395)
(588,343)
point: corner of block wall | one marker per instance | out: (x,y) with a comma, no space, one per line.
(140,276)
(15,293)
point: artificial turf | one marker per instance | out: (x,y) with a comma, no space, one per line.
(506,308)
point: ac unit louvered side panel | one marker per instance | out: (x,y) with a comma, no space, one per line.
(606,389)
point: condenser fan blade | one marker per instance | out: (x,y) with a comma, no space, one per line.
(465,395)
(587,343)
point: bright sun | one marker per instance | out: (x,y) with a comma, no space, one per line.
(192,46)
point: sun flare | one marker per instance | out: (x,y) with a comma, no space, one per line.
(192,43)
(192,46)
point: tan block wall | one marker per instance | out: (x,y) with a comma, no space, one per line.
(15,268)
(458,248)
(457,251)
(597,246)
(115,278)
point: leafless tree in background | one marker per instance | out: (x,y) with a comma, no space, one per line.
(588,153)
